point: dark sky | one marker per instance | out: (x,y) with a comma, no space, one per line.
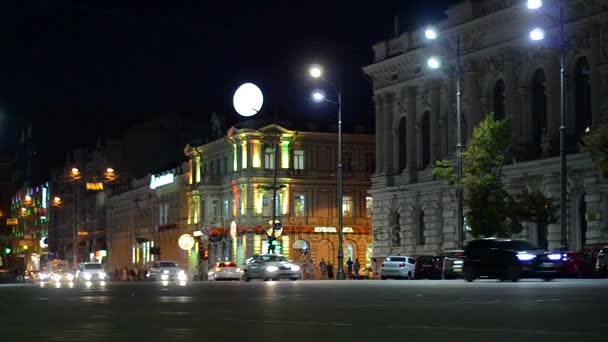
(92,65)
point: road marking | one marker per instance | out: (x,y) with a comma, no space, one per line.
(531,332)
(292,322)
(175,312)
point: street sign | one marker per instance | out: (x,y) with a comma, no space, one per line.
(12,221)
(83,233)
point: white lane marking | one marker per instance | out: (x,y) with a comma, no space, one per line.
(292,322)
(43,298)
(531,332)
(175,312)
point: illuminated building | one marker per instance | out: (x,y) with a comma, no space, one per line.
(237,177)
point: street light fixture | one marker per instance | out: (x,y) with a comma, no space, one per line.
(316,71)
(110,170)
(537,34)
(434,62)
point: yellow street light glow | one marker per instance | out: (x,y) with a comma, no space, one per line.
(23,209)
(315,71)
(57,199)
(110,170)
(75,170)
(28,198)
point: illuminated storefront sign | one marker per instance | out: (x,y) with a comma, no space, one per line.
(95,186)
(12,221)
(332,230)
(186,242)
(158,181)
(233,229)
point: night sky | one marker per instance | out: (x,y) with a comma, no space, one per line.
(101,66)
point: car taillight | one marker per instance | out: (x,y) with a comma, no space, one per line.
(217,269)
(401,265)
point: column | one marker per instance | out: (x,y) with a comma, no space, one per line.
(552,91)
(419,146)
(524,129)
(412,150)
(387,126)
(396,149)
(435,129)
(379,99)
(473,104)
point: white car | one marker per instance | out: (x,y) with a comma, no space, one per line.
(167,271)
(270,266)
(398,267)
(225,271)
(91,271)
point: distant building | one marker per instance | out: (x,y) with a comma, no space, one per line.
(505,73)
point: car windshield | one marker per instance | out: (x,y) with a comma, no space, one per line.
(92,267)
(396,259)
(517,245)
(167,264)
(271,258)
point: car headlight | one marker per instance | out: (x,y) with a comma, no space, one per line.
(525,256)
(555,257)
(69,276)
(102,275)
(181,276)
(457,262)
(166,272)
(295,268)
(272,268)
(44,276)
(87,276)
(57,277)
(164,277)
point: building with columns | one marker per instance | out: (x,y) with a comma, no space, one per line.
(230,194)
(504,72)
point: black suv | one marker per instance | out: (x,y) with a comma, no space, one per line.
(508,260)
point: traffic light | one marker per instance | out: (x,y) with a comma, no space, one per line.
(7,250)
(203,254)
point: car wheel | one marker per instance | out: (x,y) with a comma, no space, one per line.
(547,278)
(512,273)
(383,277)
(410,276)
(294,278)
(265,278)
(469,274)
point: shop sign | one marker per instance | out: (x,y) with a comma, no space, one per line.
(332,230)
(97,186)
(12,221)
(158,181)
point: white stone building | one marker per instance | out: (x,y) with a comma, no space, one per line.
(502,71)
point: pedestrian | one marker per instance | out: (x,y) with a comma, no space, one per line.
(323,269)
(330,270)
(357,268)
(116,274)
(374,268)
(311,269)
(125,274)
(349,267)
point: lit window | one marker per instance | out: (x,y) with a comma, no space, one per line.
(298,160)
(347,205)
(299,205)
(369,206)
(269,158)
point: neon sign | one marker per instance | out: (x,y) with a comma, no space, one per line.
(158,181)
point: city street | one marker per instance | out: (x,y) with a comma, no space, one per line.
(562,310)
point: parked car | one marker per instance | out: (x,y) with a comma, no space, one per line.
(225,271)
(428,266)
(509,260)
(452,264)
(577,264)
(398,267)
(601,265)
(166,271)
(270,266)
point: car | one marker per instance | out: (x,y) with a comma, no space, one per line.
(225,271)
(452,264)
(601,265)
(398,267)
(577,264)
(91,271)
(509,260)
(428,266)
(270,266)
(166,271)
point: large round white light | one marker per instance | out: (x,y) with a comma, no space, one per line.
(431,33)
(248,99)
(434,63)
(318,95)
(537,34)
(315,71)
(186,242)
(535,4)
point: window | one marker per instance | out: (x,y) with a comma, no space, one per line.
(499,100)
(269,158)
(421,239)
(218,166)
(395,259)
(299,205)
(215,209)
(539,107)
(395,228)
(225,165)
(411,261)
(402,144)
(426,139)
(267,204)
(212,168)
(582,93)
(369,206)
(205,169)
(298,160)
(370,163)
(92,267)
(226,212)
(347,162)
(163,210)
(347,205)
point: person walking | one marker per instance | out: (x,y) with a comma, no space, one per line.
(311,269)
(357,268)
(349,267)
(323,269)
(330,271)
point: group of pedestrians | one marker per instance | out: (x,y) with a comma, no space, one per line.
(326,269)
(129,273)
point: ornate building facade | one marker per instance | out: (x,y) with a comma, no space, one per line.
(504,72)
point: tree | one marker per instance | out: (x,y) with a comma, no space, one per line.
(491,210)
(596,143)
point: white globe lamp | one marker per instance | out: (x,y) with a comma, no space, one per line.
(248,99)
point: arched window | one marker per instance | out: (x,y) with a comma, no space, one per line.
(269,158)
(582,217)
(402,144)
(395,229)
(582,93)
(539,106)
(426,139)
(421,228)
(499,100)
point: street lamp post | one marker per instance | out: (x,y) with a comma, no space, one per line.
(316,71)
(538,34)
(435,63)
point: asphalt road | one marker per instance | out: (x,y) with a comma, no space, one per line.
(562,310)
